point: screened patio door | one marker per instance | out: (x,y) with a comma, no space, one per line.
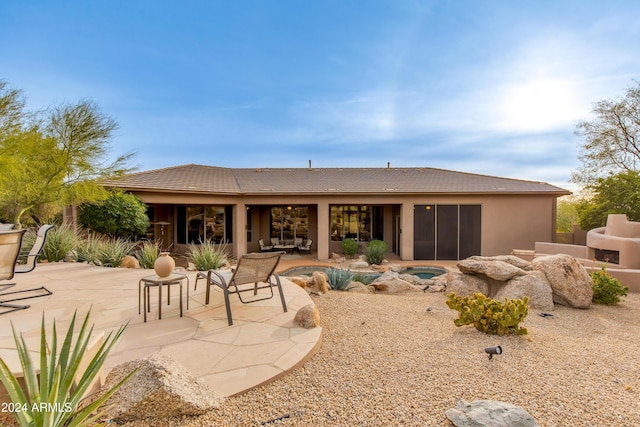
(446,232)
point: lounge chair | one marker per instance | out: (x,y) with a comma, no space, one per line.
(36,250)
(10,242)
(253,272)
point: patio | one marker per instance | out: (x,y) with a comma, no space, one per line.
(263,344)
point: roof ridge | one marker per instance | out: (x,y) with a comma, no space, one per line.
(174,168)
(401,168)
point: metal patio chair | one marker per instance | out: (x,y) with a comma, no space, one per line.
(254,271)
(10,242)
(31,258)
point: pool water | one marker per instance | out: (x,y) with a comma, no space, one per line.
(425,272)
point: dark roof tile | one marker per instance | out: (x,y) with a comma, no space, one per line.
(217,180)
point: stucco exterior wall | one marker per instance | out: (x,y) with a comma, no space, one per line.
(516,222)
(508,221)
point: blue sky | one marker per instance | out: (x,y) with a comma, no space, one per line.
(491,87)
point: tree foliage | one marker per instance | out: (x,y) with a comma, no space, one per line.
(11,109)
(53,158)
(121,214)
(567,215)
(618,193)
(611,139)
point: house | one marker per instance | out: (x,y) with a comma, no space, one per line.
(422,213)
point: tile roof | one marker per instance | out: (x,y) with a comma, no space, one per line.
(194,178)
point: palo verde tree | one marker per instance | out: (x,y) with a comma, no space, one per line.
(612,139)
(55,157)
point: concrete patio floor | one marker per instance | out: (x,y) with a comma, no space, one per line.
(262,344)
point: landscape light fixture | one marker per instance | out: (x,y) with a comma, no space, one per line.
(493,350)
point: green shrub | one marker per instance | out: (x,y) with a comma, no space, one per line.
(375,252)
(209,256)
(121,214)
(148,253)
(365,279)
(60,241)
(56,381)
(349,247)
(112,251)
(87,249)
(488,315)
(606,288)
(339,278)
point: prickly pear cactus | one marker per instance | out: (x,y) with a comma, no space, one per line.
(488,315)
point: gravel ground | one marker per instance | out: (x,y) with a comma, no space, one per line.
(399,360)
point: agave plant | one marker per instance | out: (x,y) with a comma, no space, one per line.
(148,253)
(54,396)
(208,256)
(113,250)
(339,278)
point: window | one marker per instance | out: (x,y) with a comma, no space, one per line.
(289,222)
(362,223)
(199,223)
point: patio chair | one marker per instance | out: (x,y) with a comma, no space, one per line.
(254,271)
(263,247)
(10,242)
(36,250)
(305,246)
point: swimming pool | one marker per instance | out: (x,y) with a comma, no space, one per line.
(426,272)
(423,272)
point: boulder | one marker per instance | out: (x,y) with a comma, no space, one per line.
(484,413)
(129,262)
(509,259)
(308,317)
(435,288)
(360,288)
(382,268)
(303,282)
(534,285)
(71,256)
(320,282)
(334,257)
(412,278)
(570,282)
(390,283)
(466,284)
(160,388)
(493,269)
(360,264)
(392,266)
(440,280)
(417,281)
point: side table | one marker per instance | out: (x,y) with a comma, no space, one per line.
(148,281)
